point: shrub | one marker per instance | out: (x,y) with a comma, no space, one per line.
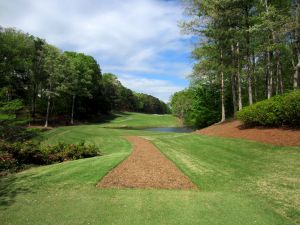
(14,133)
(80,150)
(7,162)
(13,156)
(62,152)
(276,111)
(201,117)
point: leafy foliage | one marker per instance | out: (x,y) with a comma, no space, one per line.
(14,156)
(11,123)
(58,85)
(118,97)
(16,151)
(249,49)
(276,111)
(196,106)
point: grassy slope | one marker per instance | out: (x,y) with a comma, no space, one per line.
(238,185)
(262,172)
(130,119)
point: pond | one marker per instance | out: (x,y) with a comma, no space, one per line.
(171,129)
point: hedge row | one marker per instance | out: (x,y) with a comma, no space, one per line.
(276,111)
(15,156)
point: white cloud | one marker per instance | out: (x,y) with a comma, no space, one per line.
(126,36)
(156,87)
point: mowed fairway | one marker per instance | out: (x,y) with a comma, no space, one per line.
(240,182)
(139,120)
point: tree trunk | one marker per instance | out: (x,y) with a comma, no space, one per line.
(268,62)
(48,110)
(281,81)
(250,94)
(269,66)
(33,102)
(255,90)
(233,89)
(250,89)
(239,88)
(72,114)
(297,37)
(277,85)
(233,84)
(8,94)
(270,76)
(277,74)
(296,75)
(222,91)
(253,76)
(222,97)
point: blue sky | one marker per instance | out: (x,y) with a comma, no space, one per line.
(138,40)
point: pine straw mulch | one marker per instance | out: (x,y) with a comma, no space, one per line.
(235,129)
(146,167)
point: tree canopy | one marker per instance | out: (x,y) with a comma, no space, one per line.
(57,85)
(247,51)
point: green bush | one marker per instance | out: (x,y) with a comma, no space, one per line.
(62,152)
(8,162)
(13,156)
(201,117)
(276,111)
(17,133)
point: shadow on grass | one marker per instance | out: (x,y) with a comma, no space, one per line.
(65,121)
(10,188)
(107,118)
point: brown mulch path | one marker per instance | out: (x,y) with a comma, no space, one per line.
(146,167)
(235,129)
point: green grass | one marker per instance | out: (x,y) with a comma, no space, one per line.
(240,182)
(136,120)
(231,166)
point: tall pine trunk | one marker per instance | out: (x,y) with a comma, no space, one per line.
(297,37)
(233,84)
(233,89)
(269,58)
(269,76)
(238,77)
(279,81)
(33,101)
(223,97)
(72,114)
(296,75)
(253,76)
(48,110)
(222,91)
(250,94)
(249,75)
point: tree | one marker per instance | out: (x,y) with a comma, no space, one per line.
(15,61)
(245,48)
(59,84)
(181,102)
(295,14)
(80,69)
(37,75)
(52,68)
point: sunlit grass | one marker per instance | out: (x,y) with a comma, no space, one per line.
(240,182)
(131,119)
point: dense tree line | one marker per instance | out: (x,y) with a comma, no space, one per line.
(248,50)
(118,97)
(62,85)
